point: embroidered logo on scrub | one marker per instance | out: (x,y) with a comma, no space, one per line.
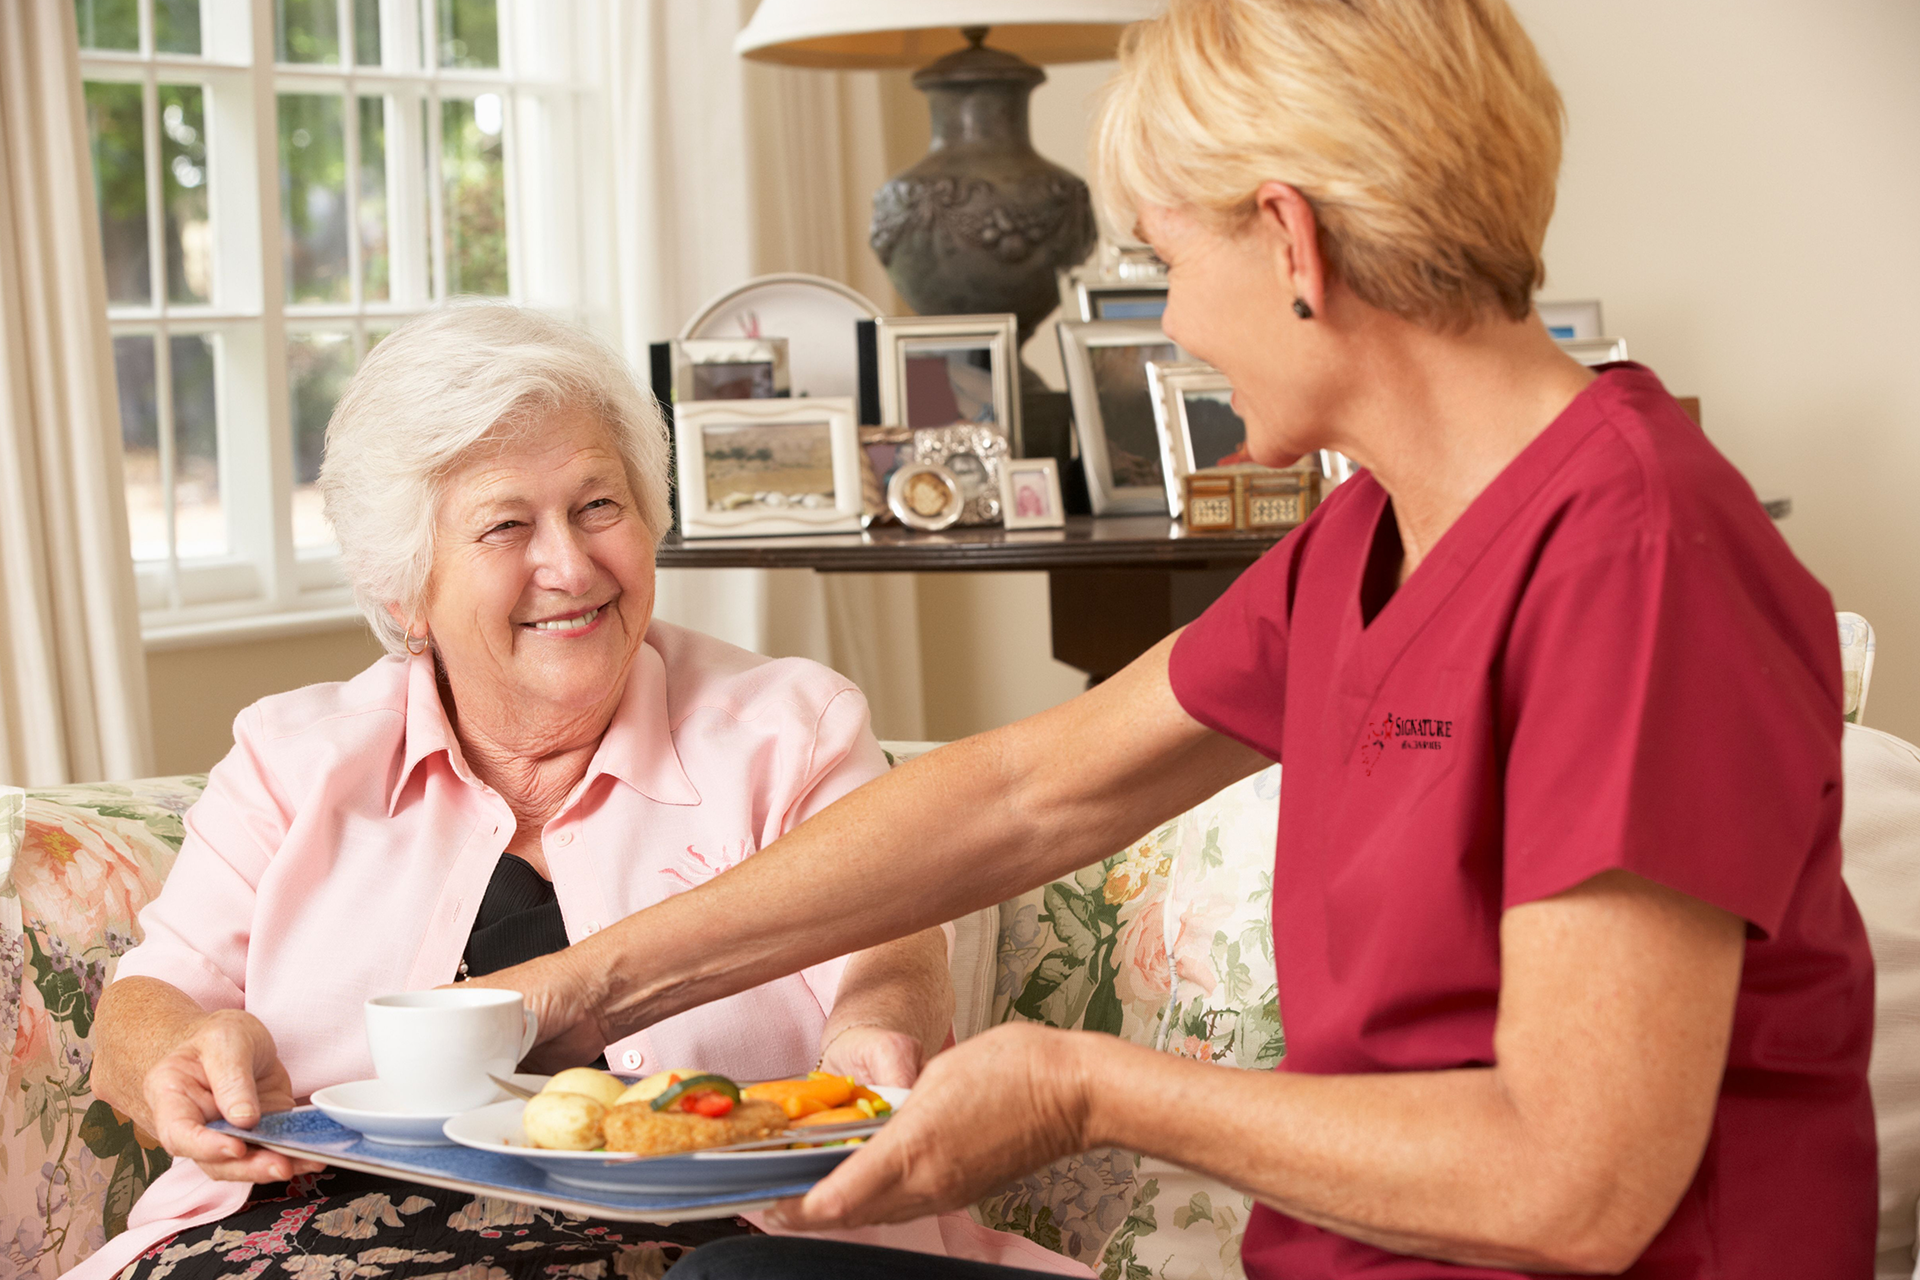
(1404,733)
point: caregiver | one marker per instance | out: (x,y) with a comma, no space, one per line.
(1569,976)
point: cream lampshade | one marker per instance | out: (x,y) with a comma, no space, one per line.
(912,33)
(983,222)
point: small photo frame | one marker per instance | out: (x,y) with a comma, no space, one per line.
(1030,494)
(925,496)
(942,371)
(974,455)
(1113,411)
(1198,425)
(754,468)
(1571,321)
(1087,294)
(729,369)
(1595,351)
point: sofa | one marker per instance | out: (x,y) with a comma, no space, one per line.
(1165,943)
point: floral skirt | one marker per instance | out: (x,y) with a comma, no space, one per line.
(343,1225)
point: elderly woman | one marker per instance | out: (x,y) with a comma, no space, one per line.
(1570,978)
(537,759)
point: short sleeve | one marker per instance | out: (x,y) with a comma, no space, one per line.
(198,929)
(1228,669)
(1698,745)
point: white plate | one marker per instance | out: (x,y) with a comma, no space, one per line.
(498,1126)
(814,314)
(367,1106)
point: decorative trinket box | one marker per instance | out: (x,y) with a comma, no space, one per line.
(1239,498)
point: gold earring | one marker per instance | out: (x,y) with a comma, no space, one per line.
(416,645)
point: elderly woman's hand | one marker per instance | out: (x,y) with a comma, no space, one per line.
(226,1066)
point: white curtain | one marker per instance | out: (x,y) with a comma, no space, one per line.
(724,171)
(73,688)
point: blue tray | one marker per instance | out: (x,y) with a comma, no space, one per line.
(305,1131)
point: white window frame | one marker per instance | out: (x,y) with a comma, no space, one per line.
(548,83)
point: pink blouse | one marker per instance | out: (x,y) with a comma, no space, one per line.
(342,848)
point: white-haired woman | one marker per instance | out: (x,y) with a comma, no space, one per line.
(1570,978)
(536,759)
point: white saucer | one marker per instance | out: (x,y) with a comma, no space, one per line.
(366,1105)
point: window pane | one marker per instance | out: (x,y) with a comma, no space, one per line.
(313,181)
(473,168)
(120,188)
(373,199)
(306,31)
(469,33)
(183,177)
(199,520)
(140,446)
(176,26)
(318,366)
(108,24)
(366,32)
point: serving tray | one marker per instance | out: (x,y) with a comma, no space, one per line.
(305,1131)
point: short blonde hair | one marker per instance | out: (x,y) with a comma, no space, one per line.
(1425,133)
(459,381)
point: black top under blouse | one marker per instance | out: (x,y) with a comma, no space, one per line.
(519,919)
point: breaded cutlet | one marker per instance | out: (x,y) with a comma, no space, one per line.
(637,1127)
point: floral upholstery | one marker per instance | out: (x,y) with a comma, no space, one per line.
(76,866)
(1166,944)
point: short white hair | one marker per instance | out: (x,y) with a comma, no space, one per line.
(462,380)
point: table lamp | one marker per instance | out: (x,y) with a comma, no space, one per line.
(982,223)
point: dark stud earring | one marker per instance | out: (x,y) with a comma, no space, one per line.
(1301,309)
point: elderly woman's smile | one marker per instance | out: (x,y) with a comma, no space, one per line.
(542,581)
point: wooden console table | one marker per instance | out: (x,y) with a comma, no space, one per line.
(1117,585)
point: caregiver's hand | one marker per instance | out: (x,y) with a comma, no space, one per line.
(561,991)
(993,1108)
(225,1067)
(875,1055)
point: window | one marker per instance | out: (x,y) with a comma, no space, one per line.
(280,183)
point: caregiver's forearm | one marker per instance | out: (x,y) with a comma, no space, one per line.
(956,830)
(905,985)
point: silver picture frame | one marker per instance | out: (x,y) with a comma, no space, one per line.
(1572,321)
(730,369)
(925,496)
(1113,413)
(978,356)
(756,468)
(974,455)
(1088,293)
(1595,351)
(1179,389)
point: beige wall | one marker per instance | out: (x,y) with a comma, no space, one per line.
(196,693)
(1740,190)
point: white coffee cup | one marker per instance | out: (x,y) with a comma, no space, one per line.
(434,1050)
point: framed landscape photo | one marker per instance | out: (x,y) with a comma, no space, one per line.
(729,369)
(1113,413)
(751,468)
(943,371)
(1030,494)
(1197,423)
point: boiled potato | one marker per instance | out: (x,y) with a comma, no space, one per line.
(563,1121)
(654,1085)
(598,1085)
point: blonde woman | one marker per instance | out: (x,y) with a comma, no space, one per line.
(1570,978)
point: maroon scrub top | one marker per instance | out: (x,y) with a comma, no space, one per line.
(1611,660)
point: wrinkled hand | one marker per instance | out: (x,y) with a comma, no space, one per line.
(226,1068)
(997,1106)
(875,1055)
(571,1034)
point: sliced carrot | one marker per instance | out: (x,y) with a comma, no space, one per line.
(838,1115)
